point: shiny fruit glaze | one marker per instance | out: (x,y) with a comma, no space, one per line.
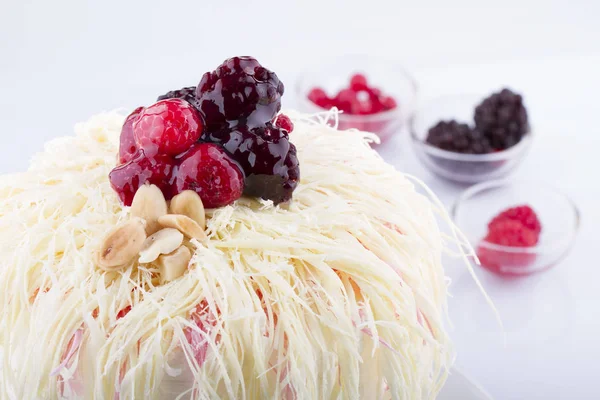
(127,145)
(240,90)
(168,127)
(154,169)
(207,169)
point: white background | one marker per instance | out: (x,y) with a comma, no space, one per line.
(63,61)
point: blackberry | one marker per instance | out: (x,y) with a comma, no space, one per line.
(459,138)
(187,93)
(265,155)
(240,91)
(502,118)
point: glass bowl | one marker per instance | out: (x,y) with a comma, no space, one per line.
(334,73)
(558,215)
(463,168)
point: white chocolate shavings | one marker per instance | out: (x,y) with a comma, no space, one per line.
(338,294)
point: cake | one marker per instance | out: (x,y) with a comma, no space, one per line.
(319,279)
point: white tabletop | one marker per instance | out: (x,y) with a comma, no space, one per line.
(64,61)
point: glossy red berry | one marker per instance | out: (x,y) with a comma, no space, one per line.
(169,126)
(358,82)
(284,122)
(155,169)
(209,171)
(127,146)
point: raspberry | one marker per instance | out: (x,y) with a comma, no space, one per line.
(187,93)
(507,232)
(239,89)
(127,146)
(523,214)
(266,156)
(211,173)
(502,118)
(457,137)
(284,122)
(358,82)
(169,127)
(155,169)
(512,233)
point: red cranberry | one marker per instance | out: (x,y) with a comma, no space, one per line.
(320,98)
(347,101)
(127,178)
(169,127)
(388,103)
(284,122)
(358,82)
(211,173)
(128,147)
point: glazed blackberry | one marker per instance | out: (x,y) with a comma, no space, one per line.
(239,92)
(502,119)
(187,93)
(459,138)
(265,155)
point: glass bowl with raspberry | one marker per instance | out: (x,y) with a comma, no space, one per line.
(517,228)
(471,138)
(374,95)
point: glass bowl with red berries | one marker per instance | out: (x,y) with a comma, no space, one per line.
(372,94)
(471,138)
(517,228)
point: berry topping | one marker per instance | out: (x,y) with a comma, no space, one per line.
(168,127)
(234,109)
(357,99)
(284,122)
(155,169)
(239,90)
(210,172)
(187,93)
(523,214)
(267,158)
(459,138)
(127,146)
(502,118)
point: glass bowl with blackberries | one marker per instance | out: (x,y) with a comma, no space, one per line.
(472,138)
(372,94)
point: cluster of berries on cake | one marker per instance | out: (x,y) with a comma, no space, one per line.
(222,138)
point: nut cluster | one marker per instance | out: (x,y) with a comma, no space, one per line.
(156,232)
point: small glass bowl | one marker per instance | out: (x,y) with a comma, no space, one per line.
(334,73)
(458,167)
(558,215)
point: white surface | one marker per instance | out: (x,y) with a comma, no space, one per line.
(63,61)
(459,386)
